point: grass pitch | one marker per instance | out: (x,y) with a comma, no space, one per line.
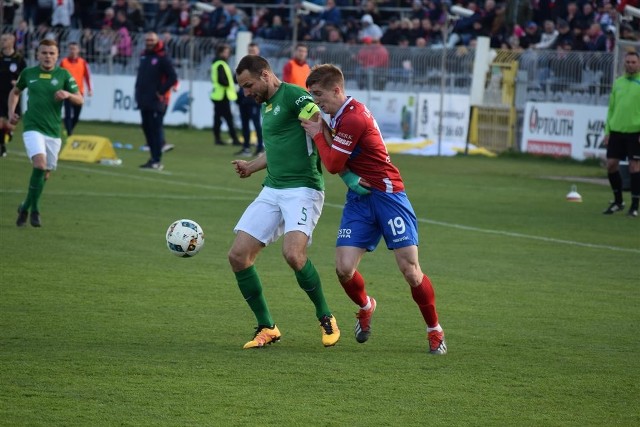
(101,325)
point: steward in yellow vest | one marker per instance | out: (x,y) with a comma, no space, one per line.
(222,93)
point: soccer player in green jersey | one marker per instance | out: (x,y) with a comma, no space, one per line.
(48,85)
(290,202)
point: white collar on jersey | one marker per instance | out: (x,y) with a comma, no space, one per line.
(334,119)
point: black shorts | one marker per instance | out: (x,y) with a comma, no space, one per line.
(623,145)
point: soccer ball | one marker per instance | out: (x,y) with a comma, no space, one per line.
(185,238)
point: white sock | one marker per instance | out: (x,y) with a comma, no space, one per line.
(367,306)
(435,328)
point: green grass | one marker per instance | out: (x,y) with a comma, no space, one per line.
(101,325)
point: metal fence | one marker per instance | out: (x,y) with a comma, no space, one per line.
(514,78)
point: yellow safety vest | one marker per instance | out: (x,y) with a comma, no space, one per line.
(218,92)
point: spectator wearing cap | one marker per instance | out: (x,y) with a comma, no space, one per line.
(548,36)
(531,35)
(369,29)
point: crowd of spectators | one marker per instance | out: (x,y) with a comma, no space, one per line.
(585,25)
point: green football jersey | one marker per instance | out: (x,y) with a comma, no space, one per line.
(44,113)
(292,157)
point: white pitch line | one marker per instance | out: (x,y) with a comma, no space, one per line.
(332,205)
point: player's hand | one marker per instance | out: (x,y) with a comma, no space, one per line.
(14,119)
(61,95)
(605,142)
(313,127)
(242,168)
(355,183)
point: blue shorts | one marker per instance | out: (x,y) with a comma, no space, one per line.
(365,219)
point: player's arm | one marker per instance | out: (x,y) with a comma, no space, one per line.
(87,78)
(334,160)
(245,169)
(12,103)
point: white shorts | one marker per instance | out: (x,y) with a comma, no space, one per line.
(37,143)
(277,211)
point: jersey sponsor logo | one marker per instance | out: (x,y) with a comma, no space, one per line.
(344,233)
(45,76)
(303,98)
(268,108)
(342,141)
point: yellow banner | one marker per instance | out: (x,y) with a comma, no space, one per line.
(88,149)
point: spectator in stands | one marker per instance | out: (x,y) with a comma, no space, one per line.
(296,70)
(104,44)
(578,39)
(23,38)
(373,59)
(571,15)
(109,18)
(586,16)
(531,36)
(156,76)
(30,11)
(198,27)
(223,93)
(85,13)
(276,31)
(88,45)
(565,35)
(135,15)
(627,33)
(369,29)
(123,42)
(79,69)
(184,18)
(250,113)
(165,18)
(392,33)
(330,16)
(370,7)
(120,5)
(548,36)
(44,12)
(62,12)
(606,14)
(595,39)
(219,22)
(9,8)
(418,10)
(465,28)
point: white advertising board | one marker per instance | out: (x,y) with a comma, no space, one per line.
(564,130)
(455,119)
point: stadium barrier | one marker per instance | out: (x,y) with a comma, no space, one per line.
(582,78)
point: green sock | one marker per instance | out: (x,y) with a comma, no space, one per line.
(36,184)
(251,289)
(309,280)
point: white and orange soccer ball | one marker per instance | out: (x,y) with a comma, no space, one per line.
(185,238)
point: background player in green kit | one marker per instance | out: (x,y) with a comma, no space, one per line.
(290,202)
(48,87)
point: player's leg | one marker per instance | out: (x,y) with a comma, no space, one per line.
(77,109)
(228,117)
(423,295)
(615,152)
(34,143)
(217,122)
(68,117)
(257,124)
(633,150)
(258,227)
(301,210)
(357,233)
